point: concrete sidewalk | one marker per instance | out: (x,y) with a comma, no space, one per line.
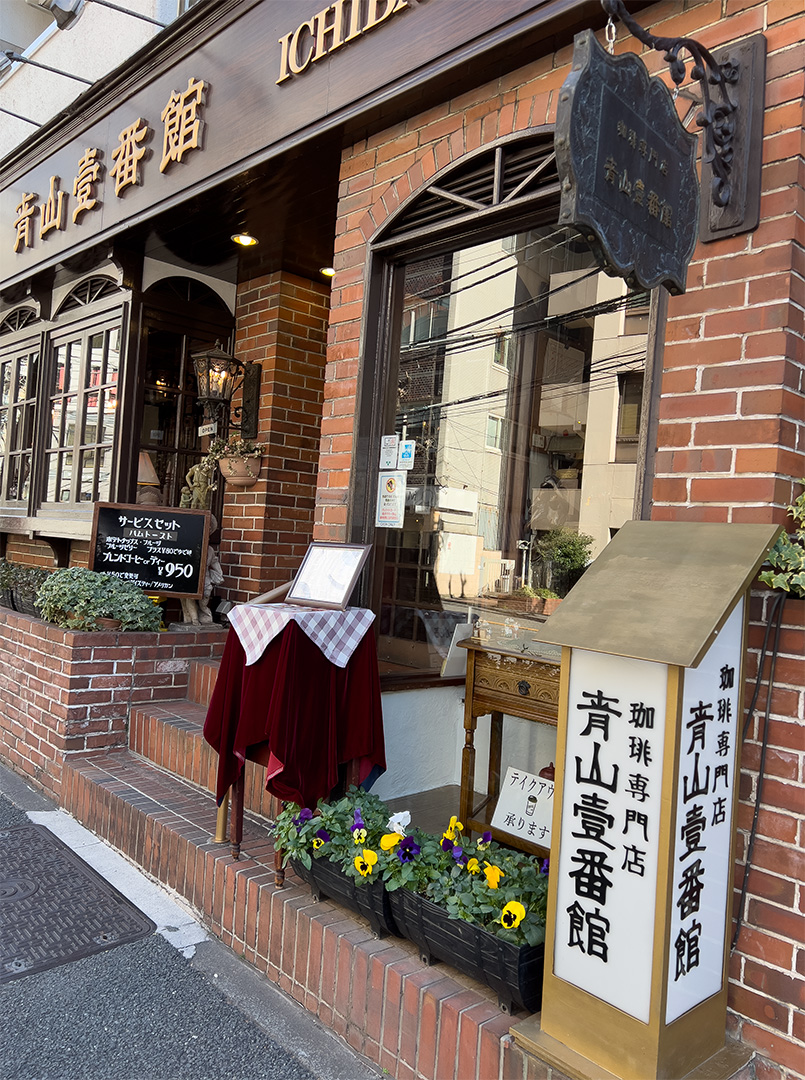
(175,1005)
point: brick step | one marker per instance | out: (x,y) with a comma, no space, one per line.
(201,680)
(417,1022)
(170,735)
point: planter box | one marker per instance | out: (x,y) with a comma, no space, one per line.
(370,900)
(514,972)
(7,598)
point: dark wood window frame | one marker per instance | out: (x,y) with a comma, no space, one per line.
(473,220)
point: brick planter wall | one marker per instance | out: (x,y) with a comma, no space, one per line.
(731,441)
(64,693)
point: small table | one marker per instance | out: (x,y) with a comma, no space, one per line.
(501,679)
(299,712)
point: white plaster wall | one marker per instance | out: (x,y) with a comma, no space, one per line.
(424,731)
(99,41)
(155,270)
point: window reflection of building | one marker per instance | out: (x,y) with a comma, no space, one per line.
(522,393)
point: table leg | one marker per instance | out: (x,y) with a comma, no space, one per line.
(495,746)
(467,766)
(279,870)
(220,822)
(236,816)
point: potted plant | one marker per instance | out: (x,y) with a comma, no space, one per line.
(322,847)
(238,460)
(787,557)
(26,582)
(471,903)
(79,599)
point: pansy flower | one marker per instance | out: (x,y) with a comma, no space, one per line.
(399,822)
(390,841)
(447,843)
(512,915)
(365,862)
(358,827)
(485,841)
(304,815)
(458,854)
(493,875)
(454,827)
(473,866)
(408,850)
(322,837)
(544,868)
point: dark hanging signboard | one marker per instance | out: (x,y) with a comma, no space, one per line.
(627,168)
(159,548)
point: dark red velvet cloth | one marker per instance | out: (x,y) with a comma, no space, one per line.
(313,715)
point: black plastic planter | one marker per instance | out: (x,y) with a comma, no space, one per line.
(370,900)
(514,972)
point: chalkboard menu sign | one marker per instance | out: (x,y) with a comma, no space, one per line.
(160,548)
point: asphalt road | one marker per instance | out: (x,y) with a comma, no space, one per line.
(152,1009)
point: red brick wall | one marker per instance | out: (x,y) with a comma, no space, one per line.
(732,420)
(282,324)
(63,692)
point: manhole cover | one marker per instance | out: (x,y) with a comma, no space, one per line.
(54,908)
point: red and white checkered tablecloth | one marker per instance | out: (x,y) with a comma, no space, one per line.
(337,633)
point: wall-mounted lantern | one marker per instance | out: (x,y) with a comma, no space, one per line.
(219,375)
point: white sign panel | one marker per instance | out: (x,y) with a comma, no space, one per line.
(525,807)
(405,455)
(702,880)
(390,500)
(611,808)
(388,451)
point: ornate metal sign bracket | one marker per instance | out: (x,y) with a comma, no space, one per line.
(731,118)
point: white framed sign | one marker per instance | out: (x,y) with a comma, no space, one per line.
(702,875)
(388,451)
(525,807)
(390,512)
(611,810)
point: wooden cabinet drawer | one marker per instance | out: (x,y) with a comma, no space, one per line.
(514,685)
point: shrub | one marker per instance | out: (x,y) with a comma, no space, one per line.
(75,598)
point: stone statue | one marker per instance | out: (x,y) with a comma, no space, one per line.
(195,495)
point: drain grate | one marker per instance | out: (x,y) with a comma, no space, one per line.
(54,908)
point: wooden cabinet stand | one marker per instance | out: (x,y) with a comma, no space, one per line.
(501,681)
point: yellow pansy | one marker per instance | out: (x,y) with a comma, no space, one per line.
(359,836)
(454,827)
(365,862)
(390,841)
(473,866)
(512,915)
(493,875)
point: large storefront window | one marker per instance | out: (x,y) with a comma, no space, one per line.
(18,372)
(519,379)
(82,402)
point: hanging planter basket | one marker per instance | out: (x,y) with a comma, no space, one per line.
(514,972)
(240,471)
(370,900)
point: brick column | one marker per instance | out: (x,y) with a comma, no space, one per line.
(282,325)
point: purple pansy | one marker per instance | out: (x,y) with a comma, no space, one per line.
(544,868)
(408,850)
(447,844)
(304,815)
(458,854)
(323,835)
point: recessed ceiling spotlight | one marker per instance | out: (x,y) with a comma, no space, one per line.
(327,271)
(244,239)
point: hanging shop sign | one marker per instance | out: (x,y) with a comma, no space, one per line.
(160,549)
(627,168)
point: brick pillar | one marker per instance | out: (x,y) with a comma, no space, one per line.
(282,325)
